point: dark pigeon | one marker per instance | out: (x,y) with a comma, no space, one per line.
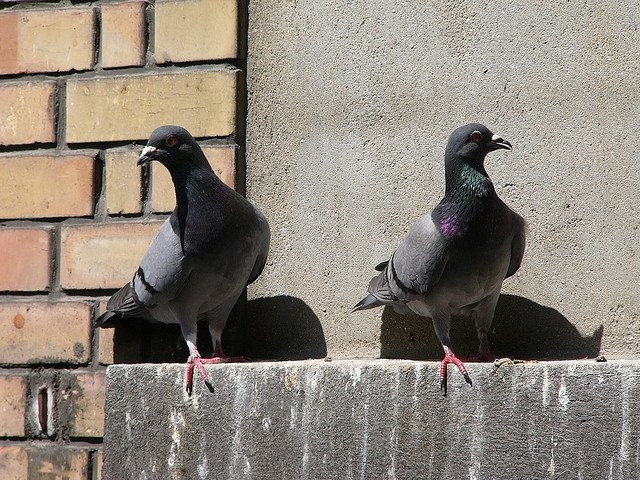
(454,259)
(212,246)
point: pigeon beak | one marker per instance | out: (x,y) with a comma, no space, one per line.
(498,142)
(147,155)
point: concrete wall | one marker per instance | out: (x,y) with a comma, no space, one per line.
(349,108)
(377,419)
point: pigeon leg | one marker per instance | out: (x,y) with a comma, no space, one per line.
(450,357)
(218,354)
(482,318)
(196,361)
(441,326)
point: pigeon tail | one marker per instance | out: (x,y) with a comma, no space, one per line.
(107,320)
(121,305)
(381,266)
(366,303)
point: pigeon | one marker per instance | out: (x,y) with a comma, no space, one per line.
(454,259)
(212,246)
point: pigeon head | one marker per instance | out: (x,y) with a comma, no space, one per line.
(174,147)
(471,143)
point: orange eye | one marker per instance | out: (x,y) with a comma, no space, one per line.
(171,141)
(476,137)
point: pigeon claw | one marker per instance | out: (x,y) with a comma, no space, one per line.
(189,382)
(450,357)
(198,362)
(209,385)
(193,363)
(443,383)
(238,359)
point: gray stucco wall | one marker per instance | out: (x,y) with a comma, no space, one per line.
(349,108)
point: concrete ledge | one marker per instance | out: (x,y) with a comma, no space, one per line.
(374,419)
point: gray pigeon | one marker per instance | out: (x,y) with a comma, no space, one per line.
(454,259)
(212,246)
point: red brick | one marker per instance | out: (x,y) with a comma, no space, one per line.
(103,256)
(13,390)
(25,259)
(87,399)
(51,40)
(36,186)
(122,39)
(43,332)
(52,462)
(130,107)
(27,110)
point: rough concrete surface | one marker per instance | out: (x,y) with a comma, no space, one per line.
(374,419)
(349,108)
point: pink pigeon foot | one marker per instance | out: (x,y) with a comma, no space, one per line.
(218,357)
(196,361)
(450,357)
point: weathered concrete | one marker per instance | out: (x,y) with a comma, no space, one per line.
(349,108)
(374,419)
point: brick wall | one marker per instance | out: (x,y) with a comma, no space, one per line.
(82,85)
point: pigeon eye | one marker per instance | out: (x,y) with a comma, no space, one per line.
(171,141)
(476,137)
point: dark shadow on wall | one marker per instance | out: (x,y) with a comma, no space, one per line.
(282,328)
(139,341)
(272,328)
(521,329)
(534,331)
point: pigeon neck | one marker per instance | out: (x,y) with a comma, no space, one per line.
(193,184)
(467,180)
(468,198)
(194,188)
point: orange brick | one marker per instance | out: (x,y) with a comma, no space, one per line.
(43,332)
(163,198)
(103,256)
(105,339)
(40,463)
(105,346)
(25,259)
(27,110)
(122,39)
(123,184)
(121,107)
(87,399)
(98,462)
(212,27)
(47,186)
(14,463)
(51,40)
(13,391)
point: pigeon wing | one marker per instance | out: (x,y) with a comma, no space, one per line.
(158,278)
(415,267)
(517,244)
(163,268)
(417,264)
